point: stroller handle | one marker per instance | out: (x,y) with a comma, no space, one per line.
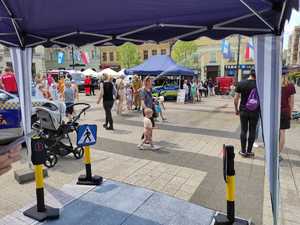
(82,111)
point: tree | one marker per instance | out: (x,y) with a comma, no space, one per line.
(183,52)
(128,55)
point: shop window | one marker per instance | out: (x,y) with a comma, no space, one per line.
(146,55)
(104,56)
(111,56)
(163,51)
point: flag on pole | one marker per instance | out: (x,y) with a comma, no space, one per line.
(249,53)
(60,57)
(225,49)
(84,57)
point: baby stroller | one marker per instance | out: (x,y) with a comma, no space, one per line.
(55,132)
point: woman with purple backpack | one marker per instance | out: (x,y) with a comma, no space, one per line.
(246,104)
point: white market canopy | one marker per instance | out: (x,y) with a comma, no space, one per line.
(108,71)
(90,72)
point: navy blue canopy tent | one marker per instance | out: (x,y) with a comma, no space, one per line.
(28,23)
(160,65)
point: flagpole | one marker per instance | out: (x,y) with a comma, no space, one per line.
(73,61)
(238,59)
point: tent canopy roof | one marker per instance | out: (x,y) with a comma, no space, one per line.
(30,23)
(160,65)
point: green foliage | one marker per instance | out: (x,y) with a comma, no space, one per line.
(293,76)
(183,52)
(128,55)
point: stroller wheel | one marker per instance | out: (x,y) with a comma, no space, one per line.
(78,152)
(51,160)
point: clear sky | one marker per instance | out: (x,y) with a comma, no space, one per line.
(289,27)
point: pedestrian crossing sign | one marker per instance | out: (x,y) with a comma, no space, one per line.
(86,135)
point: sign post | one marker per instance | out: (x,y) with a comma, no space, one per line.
(40,211)
(87,136)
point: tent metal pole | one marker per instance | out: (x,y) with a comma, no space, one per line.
(7,34)
(237,19)
(14,23)
(131,39)
(242,29)
(138,30)
(281,15)
(180,26)
(9,43)
(257,15)
(102,41)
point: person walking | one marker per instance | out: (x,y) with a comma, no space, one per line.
(186,89)
(193,91)
(246,104)
(287,105)
(136,86)
(129,97)
(107,93)
(87,85)
(121,94)
(69,98)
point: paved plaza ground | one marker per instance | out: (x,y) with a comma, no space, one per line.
(189,165)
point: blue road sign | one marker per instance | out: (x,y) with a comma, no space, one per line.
(86,135)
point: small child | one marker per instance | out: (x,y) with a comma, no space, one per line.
(129,97)
(69,98)
(147,130)
(159,103)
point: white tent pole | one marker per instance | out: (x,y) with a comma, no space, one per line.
(268,69)
(22,62)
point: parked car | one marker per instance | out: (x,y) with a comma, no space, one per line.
(168,90)
(10,114)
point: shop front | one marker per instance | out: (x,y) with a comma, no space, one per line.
(245,69)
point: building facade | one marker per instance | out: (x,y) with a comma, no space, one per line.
(38,61)
(109,57)
(211,63)
(293,55)
(72,58)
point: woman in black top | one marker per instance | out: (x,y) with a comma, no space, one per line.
(107,92)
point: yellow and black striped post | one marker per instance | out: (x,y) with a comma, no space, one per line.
(229,177)
(88,179)
(40,211)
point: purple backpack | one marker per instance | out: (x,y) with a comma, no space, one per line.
(252,101)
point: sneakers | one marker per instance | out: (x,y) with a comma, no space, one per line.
(140,147)
(155,147)
(246,154)
(255,145)
(243,154)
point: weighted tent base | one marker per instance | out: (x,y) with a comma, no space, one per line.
(221,219)
(94,180)
(49,214)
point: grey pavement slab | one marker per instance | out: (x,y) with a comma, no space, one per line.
(115,203)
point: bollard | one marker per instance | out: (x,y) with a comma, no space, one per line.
(40,211)
(88,179)
(229,177)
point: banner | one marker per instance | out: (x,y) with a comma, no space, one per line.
(225,49)
(249,53)
(84,57)
(60,57)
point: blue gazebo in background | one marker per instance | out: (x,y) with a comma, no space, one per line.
(160,65)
